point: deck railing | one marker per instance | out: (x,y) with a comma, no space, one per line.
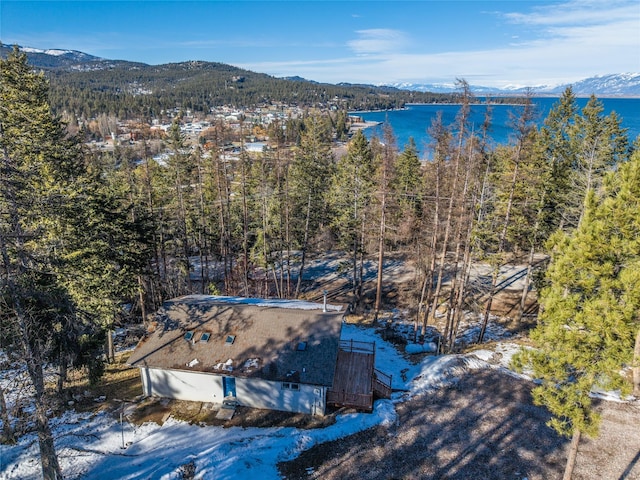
(357,346)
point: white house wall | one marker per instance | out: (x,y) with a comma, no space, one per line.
(194,386)
(258,393)
(250,392)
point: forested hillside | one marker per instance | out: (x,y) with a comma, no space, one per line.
(128,91)
(88,86)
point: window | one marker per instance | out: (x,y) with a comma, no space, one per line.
(290,386)
(188,336)
(205,337)
(230,339)
(302,346)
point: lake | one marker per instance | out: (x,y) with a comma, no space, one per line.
(414,120)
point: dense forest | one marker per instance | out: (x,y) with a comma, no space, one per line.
(84,233)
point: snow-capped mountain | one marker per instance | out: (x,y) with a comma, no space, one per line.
(54,58)
(621,84)
(70,54)
(441,87)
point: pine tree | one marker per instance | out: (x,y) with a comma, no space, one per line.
(310,175)
(350,197)
(589,319)
(580,147)
(181,171)
(386,158)
(34,151)
(557,150)
(408,186)
(69,253)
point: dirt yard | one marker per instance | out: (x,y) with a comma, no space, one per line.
(483,427)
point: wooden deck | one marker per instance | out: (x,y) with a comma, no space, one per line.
(356,380)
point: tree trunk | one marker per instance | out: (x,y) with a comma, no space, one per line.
(111,351)
(501,243)
(380,257)
(462,132)
(525,288)
(425,294)
(361,265)
(487,306)
(203,236)
(143,306)
(458,251)
(287,229)
(304,248)
(50,466)
(466,272)
(573,453)
(7,431)
(62,374)
(636,367)
(355,270)
(445,241)
(589,181)
(265,247)
(223,197)
(245,223)
(453,287)
(30,350)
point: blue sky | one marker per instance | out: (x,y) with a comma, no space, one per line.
(493,43)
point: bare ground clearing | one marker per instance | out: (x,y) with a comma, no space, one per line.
(483,427)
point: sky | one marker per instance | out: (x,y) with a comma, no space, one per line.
(491,43)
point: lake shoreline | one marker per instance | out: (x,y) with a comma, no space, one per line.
(416,120)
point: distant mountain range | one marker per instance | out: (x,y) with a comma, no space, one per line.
(619,85)
(622,84)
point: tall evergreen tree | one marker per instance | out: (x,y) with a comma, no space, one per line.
(600,143)
(580,147)
(589,319)
(310,174)
(181,169)
(66,259)
(407,186)
(350,197)
(557,150)
(386,158)
(36,158)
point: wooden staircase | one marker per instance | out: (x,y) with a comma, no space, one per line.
(356,380)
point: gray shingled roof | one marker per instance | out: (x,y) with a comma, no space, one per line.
(267,337)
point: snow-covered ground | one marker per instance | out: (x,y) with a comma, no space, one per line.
(90,446)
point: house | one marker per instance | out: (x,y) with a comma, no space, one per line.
(271,354)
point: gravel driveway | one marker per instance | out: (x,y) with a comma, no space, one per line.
(483,427)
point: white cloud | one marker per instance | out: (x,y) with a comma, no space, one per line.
(578,12)
(572,41)
(378,41)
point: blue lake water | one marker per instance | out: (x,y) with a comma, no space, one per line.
(415,120)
